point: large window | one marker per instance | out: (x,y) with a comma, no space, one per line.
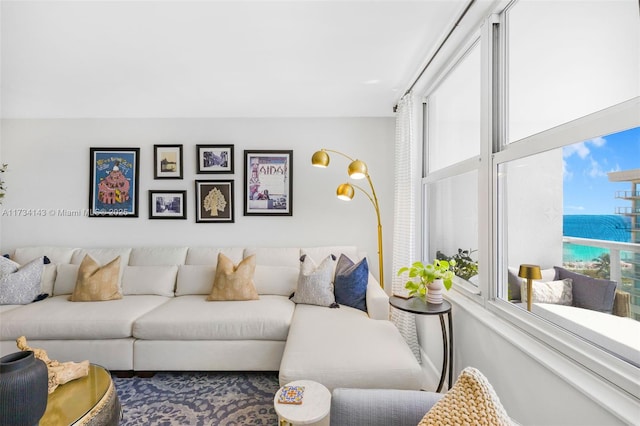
(558,160)
(589,261)
(453,111)
(450,176)
(567,59)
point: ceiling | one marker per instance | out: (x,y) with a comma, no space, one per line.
(76,59)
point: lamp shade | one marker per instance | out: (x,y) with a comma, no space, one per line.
(358,169)
(531,272)
(345,192)
(320,159)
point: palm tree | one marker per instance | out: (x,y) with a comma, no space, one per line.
(603,265)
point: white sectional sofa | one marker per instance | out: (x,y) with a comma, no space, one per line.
(163,321)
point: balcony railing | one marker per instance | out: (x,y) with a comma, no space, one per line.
(615,271)
(628,210)
(627,194)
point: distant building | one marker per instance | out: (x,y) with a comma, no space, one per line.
(633,211)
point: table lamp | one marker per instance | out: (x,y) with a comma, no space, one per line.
(530,273)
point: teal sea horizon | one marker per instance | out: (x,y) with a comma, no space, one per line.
(599,227)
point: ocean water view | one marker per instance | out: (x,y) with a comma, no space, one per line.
(599,227)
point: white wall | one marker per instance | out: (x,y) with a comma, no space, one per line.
(49,169)
(535,385)
(533,190)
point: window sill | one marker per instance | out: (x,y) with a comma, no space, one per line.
(606,380)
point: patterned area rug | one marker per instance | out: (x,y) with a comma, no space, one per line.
(199,398)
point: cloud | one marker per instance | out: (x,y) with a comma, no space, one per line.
(595,169)
(577,148)
(615,169)
(579,208)
(581,148)
(566,174)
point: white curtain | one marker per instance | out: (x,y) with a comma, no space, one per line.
(404,227)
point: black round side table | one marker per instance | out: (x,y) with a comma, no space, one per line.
(416,306)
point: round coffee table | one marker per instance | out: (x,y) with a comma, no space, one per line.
(89,400)
(314,410)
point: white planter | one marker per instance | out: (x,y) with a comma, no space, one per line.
(434,293)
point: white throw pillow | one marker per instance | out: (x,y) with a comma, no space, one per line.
(556,292)
(315,283)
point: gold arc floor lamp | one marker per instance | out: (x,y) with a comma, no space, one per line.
(357,170)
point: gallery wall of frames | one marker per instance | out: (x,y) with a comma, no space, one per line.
(267,178)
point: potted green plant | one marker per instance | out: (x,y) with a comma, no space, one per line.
(427,280)
(464,267)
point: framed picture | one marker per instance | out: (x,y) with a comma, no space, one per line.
(215,158)
(167,161)
(268,183)
(113,188)
(167,204)
(214,201)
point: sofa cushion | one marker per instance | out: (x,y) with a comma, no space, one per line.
(151,256)
(55,254)
(557,292)
(193,318)
(103,256)
(590,293)
(158,280)
(66,278)
(345,348)
(471,401)
(276,269)
(209,255)
(315,283)
(280,280)
(320,253)
(22,285)
(195,279)
(275,256)
(7,308)
(58,318)
(97,283)
(233,282)
(350,283)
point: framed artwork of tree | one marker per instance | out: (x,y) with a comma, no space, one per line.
(214,201)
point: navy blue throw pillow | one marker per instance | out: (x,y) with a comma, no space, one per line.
(350,283)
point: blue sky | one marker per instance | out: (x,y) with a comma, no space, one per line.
(587,189)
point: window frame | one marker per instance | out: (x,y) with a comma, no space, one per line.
(495,150)
(611,120)
(464,166)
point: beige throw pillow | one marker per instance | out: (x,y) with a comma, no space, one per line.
(471,401)
(234,282)
(95,282)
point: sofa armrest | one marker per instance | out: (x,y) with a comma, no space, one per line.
(372,407)
(377,300)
